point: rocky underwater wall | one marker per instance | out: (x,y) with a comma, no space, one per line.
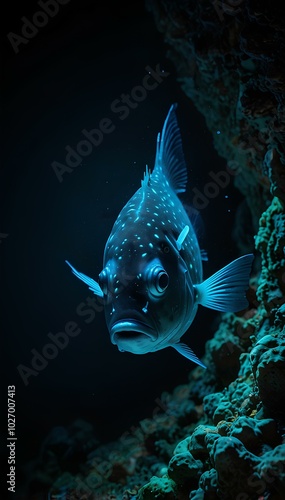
(221,435)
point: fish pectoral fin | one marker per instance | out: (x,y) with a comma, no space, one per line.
(181,237)
(187,352)
(226,290)
(92,284)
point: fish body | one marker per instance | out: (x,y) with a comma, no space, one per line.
(151,281)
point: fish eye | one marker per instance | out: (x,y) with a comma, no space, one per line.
(103,281)
(157,280)
(162,281)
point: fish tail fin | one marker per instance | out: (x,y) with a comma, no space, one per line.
(169,154)
(226,290)
(92,284)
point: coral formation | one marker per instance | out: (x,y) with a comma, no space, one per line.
(230,445)
(221,434)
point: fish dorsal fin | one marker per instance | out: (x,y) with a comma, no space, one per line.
(225,290)
(169,154)
(92,284)
(146,178)
(187,352)
(181,237)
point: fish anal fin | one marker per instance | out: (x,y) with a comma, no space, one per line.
(225,291)
(92,284)
(187,352)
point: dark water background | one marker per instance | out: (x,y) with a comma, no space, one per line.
(62,81)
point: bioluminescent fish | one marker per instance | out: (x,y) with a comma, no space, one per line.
(151,283)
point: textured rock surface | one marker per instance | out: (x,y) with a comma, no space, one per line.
(229,58)
(221,434)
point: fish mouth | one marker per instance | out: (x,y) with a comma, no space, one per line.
(131,330)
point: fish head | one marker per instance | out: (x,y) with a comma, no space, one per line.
(147,294)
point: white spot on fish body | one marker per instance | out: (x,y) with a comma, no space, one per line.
(144,309)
